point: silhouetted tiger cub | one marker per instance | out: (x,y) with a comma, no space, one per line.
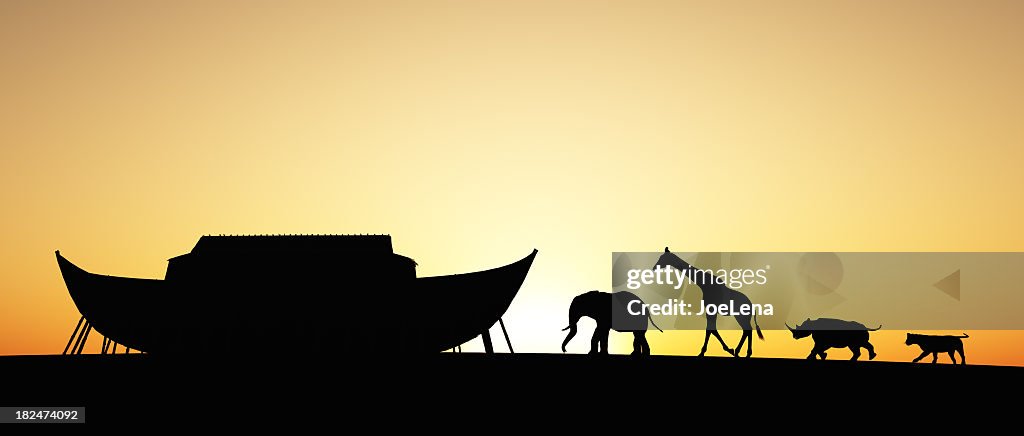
(938,344)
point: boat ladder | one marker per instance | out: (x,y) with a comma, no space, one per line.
(486,337)
(81,335)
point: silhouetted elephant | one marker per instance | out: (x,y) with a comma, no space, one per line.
(610,312)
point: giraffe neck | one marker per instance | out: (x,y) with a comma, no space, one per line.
(680,264)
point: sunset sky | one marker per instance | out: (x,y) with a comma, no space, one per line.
(475,131)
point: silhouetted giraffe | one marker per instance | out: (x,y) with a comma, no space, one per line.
(715,293)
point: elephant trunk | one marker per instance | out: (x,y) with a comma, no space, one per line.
(572,332)
(575,314)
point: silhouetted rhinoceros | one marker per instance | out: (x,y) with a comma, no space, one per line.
(834,333)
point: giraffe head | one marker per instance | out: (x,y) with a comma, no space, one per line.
(668,258)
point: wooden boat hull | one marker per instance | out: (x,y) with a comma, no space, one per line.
(159,316)
(464,305)
(122,309)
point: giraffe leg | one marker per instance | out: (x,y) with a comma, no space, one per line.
(704,349)
(722,341)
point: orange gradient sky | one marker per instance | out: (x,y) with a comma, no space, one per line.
(474,131)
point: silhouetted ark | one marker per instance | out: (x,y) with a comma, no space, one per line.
(938,344)
(834,333)
(337,294)
(715,293)
(603,307)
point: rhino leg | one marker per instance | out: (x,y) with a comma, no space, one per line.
(817,351)
(856,352)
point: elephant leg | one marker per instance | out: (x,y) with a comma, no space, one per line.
(871,350)
(640,346)
(595,341)
(856,352)
(604,340)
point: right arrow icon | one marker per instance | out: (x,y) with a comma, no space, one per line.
(950,285)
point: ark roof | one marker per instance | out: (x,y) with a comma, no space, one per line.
(287,243)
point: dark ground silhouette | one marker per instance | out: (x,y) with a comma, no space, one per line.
(441,390)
